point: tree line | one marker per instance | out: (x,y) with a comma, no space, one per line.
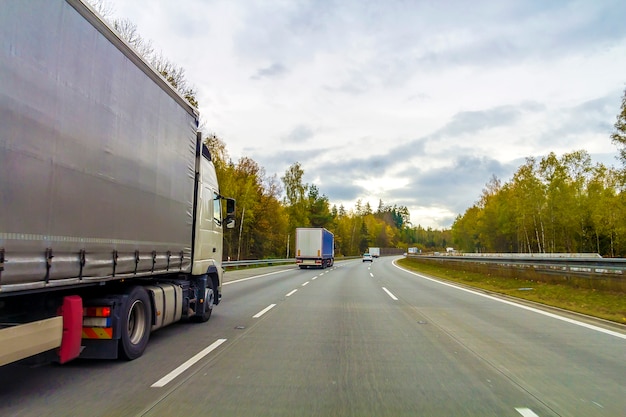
(552,204)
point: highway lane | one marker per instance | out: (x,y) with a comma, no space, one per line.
(341,345)
(571,366)
(357,339)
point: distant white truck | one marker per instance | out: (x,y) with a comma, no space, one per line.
(375,252)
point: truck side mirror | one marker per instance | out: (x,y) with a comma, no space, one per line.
(230,213)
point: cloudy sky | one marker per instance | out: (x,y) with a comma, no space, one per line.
(415,102)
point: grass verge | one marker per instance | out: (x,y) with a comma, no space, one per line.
(603,304)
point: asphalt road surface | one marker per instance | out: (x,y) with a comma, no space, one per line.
(357,339)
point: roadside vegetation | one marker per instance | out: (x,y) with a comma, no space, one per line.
(551,205)
(593,297)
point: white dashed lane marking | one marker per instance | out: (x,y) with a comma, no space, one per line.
(265,310)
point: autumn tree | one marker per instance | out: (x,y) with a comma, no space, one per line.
(270,228)
(606,210)
(319,208)
(464,232)
(295,200)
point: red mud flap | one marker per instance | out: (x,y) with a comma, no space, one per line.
(72,312)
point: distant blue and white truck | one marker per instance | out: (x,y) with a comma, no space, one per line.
(315,247)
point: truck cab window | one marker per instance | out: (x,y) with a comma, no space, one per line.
(217,209)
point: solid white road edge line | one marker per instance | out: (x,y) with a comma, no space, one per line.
(393,297)
(265,310)
(534,310)
(182,368)
(291,293)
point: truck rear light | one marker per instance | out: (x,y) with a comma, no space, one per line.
(97,323)
(97,312)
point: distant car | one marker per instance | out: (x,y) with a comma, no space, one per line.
(367,257)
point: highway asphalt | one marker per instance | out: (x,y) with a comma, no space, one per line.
(357,339)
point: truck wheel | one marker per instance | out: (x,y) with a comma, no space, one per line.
(135,323)
(209,301)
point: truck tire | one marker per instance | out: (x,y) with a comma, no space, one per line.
(135,323)
(209,301)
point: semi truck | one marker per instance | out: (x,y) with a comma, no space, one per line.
(111,218)
(375,252)
(315,247)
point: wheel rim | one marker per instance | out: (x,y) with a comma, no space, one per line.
(208,298)
(136,322)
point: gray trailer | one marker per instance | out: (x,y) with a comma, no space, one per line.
(110,212)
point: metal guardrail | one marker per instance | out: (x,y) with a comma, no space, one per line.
(555,263)
(582,264)
(257,262)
